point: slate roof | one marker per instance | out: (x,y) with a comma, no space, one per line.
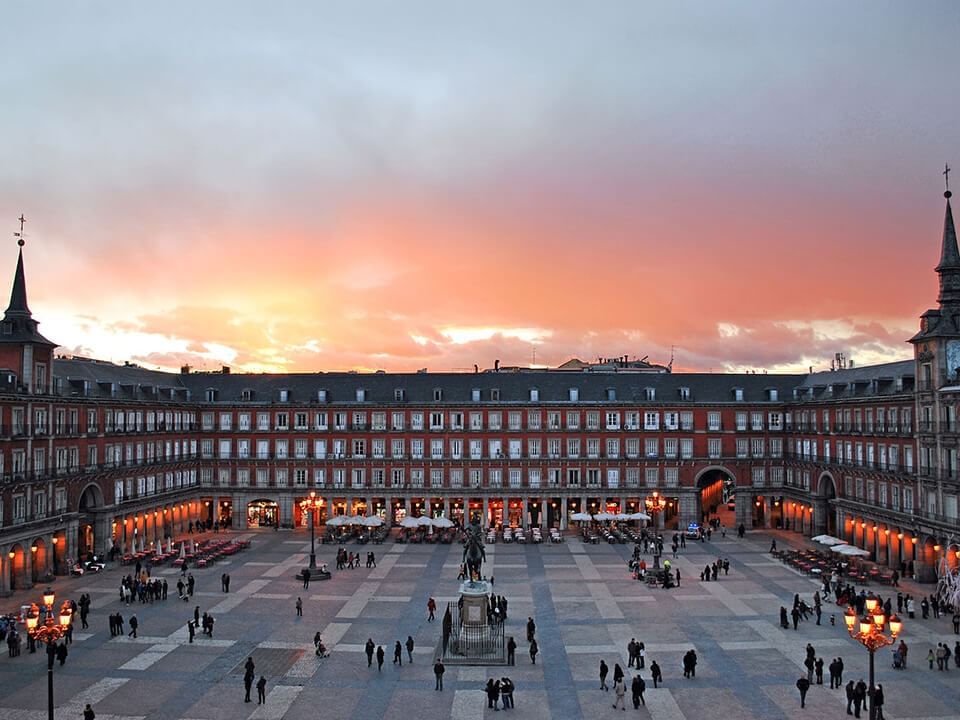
(865,381)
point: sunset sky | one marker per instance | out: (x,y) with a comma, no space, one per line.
(327,186)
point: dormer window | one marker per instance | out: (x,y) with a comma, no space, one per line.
(495,394)
(437,394)
(738,394)
(650,394)
(574,394)
(246,395)
(399,395)
(361,395)
(611,394)
(475,395)
(321,396)
(773,395)
(684,393)
(534,395)
(284,395)
(211,395)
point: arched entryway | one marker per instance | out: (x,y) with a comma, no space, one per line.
(713,484)
(16,562)
(91,499)
(38,560)
(824,515)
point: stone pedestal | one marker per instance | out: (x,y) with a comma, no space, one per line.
(475,596)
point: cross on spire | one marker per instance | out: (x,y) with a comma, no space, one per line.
(946,177)
(19,235)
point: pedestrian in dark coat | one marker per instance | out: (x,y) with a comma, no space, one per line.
(534,649)
(617,673)
(511,651)
(860,697)
(369,648)
(380,654)
(655,674)
(247,685)
(438,670)
(878,701)
(851,694)
(637,688)
(191,629)
(603,675)
(62,653)
(410,647)
(262,691)
(398,654)
(88,713)
(803,685)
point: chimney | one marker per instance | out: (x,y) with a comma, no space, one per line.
(184,369)
(496,366)
(476,368)
(225,370)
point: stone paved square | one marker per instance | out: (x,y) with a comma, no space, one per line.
(586,608)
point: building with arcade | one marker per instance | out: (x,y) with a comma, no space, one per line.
(95,455)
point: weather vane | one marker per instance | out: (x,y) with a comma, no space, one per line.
(19,235)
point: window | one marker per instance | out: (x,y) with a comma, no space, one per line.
(713,421)
(399,395)
(757,475)
(738,394)
(416,421)
(436,421)
(651,421)
(670,447)
(650,447)
(650,394)
(686,448)
(671,420)
(396,421)
(361,395)
(533,420)
(684,393)
(593,420)
(283,421)
(534,395)
(652,477)
(741,421)
(514,420)
(573,421)
(437,394)
(494,421)
(475,394)
(714,447)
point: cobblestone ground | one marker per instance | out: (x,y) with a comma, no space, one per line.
(584,602)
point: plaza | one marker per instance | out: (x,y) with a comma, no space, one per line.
(582,597)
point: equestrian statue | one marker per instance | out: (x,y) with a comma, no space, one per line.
(473,553)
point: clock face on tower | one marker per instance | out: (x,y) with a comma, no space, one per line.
(953,358)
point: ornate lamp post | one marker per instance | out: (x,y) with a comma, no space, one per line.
(312,504)
(50,632)
(868,631)
(655,504)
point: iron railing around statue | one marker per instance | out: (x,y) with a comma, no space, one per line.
(469,644)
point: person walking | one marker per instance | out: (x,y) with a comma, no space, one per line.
(655,674)
(262,691)
(398,654)
(370,649)
(603,675)
(191,630)
(88,713)
(617,673)
(438,670)
(851,694)
(534,649)
(878,701)
(803,685)
(620,690)
(511,651)
(299,607)
(134,623)
(859,697)
(247,685)
(410,647)
(306,578)
(431,609)
(380,655)
(637,688)
(818,670)
(631,652)
(531,629)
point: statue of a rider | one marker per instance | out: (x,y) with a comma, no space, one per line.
(473,553)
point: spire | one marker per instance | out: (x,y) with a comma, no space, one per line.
(949,255)
(18,296)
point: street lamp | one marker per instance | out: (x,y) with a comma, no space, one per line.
(868,631)
(312,503)
(655,504)
(50,632)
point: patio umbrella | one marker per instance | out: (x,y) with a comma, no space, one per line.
(373,521)
(851,550)
(442,522)
(410,522)
(424,521)
(337,521)
(622,516)
(354,520)
(170,545)
(183,550)
(603,516)
(828,540)
(839,548)
(581,517)
(639,516)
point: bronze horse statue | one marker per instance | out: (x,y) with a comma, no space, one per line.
(473,552)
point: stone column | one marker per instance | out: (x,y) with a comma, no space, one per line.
(485,520)
(744,513)
(689,509)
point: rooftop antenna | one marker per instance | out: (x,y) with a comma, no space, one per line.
(20,235)
(534,363)
(670,365)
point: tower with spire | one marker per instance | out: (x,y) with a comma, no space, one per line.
(23,350)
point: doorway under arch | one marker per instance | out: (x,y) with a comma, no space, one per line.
(825,520)
(713,485)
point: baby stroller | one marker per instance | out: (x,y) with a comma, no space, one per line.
(897,660)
